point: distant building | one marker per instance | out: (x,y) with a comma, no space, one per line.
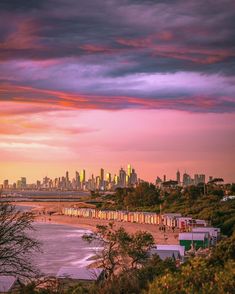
(158,181)
(45,183)
(102,179)
(5,184)
(18,184)
(133,178)
(83,176)
(108,177)
(102,175)
(122,178)
(77,179)
(187,179)
(116,180)
(23,183)
(169,184)
(199,179)
(69,276)
(129,170)
(97,182)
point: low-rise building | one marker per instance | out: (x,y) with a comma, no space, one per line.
(214,233)
(68,276)
(175,252)
(194,239)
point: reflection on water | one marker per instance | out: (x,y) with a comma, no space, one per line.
(62,246)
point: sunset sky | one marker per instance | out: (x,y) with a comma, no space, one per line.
(103,83)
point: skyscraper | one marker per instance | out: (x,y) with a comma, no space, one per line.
(116,179)
(23,182)
(122,178)
(77,179)
(186,179)
(5,184)
(67,179)
(129,170)
(102,175)
(108,177)
(67,176)
(83,176)
(133,178)
(199,179)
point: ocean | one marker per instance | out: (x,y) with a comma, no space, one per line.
(61,245)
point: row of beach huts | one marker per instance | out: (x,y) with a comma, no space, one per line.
(171,220)
(193,232)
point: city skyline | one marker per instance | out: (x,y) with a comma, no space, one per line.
(89,172)
(122,177)
(100,83)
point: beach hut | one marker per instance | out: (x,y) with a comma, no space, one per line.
(195,239)
(170,219)
(184,223)
(69,276)
(200,223)
(214,233)
(175,252)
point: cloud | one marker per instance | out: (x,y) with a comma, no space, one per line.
(112,54)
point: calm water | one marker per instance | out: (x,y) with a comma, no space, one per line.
(62,246)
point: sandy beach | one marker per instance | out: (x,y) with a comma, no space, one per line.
(88,223)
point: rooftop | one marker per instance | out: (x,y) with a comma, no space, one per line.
(79,273)
(6,283)
(193,236)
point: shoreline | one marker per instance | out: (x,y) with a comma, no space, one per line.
(42,209)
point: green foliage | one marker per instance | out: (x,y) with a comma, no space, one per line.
(144,195)
(122,251)
(215,274)
(189,201)
(232,190)
(218,213)
(133,281)
(196,277)
(224,251)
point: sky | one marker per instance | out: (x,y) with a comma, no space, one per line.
(103,83)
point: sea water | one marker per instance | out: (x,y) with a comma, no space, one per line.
(62,245)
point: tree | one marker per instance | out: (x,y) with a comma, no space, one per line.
(232,190)
(121,251)
(144,194)
(16,247)
(196,276)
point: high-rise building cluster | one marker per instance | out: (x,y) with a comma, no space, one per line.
(186,179)
(103,181)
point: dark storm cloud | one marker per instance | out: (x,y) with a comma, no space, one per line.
(21,5)
(58,40)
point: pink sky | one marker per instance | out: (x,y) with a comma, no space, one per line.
(155,142)
(90,84)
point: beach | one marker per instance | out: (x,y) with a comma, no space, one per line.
(42,213)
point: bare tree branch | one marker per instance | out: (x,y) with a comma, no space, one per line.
(16,246)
